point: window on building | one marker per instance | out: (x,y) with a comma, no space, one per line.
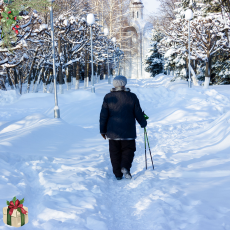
(137,15)
(133,14)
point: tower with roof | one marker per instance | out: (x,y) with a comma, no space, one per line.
(141,30)
(136,9)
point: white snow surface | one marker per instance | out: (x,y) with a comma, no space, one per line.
(62,166)
(7,97)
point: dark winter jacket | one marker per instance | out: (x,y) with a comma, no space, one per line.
(119,110)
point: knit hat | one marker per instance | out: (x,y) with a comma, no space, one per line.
(119,81)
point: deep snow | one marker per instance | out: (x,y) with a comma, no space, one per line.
(62,167)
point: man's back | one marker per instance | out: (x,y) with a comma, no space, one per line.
(119,110)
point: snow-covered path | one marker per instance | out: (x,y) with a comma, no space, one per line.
(62,167)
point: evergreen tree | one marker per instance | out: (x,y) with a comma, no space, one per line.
(154,61)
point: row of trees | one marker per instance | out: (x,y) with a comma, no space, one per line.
(209,39)
(25,45)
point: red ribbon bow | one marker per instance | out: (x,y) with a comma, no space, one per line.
(16,206)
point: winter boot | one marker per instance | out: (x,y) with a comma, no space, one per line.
(126,173)
(119,177)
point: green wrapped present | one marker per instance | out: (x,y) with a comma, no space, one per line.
(15,214)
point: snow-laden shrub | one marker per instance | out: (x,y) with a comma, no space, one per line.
(154,60)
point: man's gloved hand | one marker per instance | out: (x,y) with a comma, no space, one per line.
(146,117)
(104,136)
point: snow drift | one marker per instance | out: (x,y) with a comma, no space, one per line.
(62,167)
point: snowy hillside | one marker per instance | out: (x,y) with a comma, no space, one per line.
(62,166)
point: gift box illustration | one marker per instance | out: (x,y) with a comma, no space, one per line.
(15,214)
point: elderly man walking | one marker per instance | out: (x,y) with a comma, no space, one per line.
(119,112)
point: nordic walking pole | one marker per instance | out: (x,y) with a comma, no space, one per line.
(145,150)
(149,148)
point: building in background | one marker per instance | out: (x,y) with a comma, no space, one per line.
(139,32)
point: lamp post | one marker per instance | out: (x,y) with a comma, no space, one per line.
(114,42)
(56,108)
(106,33)
(91,21)
(189,17)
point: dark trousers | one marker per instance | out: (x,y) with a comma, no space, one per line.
(121,155)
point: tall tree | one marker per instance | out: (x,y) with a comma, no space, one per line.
(154,61)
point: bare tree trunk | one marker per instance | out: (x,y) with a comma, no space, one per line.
(51,77)
(77,75)
(86,77)
(44,81)
(38,80)
(16,80)
(47,79)
(207,72)
(74,73)
(195,66)
(88,71)
(30,72)
(194,78)
(2,84)
(60,74)
(68,77)
(96,71)
(187,69)
(9,79)
(34,77)
(20,81)
(104,70)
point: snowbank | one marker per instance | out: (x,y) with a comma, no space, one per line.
(62,166)
(8,97)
